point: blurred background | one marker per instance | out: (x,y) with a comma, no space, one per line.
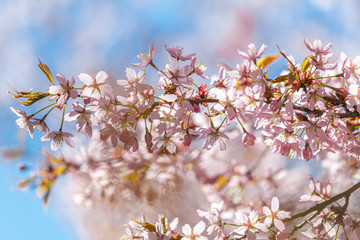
(72,37)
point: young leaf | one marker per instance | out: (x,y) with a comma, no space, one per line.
(280,79)
(150,227)
(47,72)
(25,183)
(266,60)
(305,65)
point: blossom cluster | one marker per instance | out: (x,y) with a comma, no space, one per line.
(143,144)
(247,226)
(310,109)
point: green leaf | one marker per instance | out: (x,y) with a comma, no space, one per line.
(47,72)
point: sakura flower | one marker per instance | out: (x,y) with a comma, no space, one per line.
(64,90)
(252,52)
(212,136)
(306,153)
(177,53)
(221,81)
(117,131)
(274,215)
(350,68)
(132,79)
(176,74)
(41,125)
(317,47)
(84,118)
(321,56)
(167,141)
(23,121)
(95,87)
(58,138)
(248,139)
(214,218)
(249,224)
(144,96)
(144,58)
(195,233)
(241,72)
(164,229)
(105,106)
(318,192)
(199,68)
(314,129)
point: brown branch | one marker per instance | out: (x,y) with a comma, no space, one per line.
(347,114)
(319,207)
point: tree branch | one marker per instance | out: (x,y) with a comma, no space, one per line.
(319,207)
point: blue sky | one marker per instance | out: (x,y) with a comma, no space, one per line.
(87,36)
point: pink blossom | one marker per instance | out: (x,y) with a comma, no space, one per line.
(166,141)
(252,52)
(248,224)
(221,81)
(64,90)
(58,138)
(164,229)
(176,74)
(212,136)
(132,79)
(199,68)
(241,72)
(194,233)
(306,153)
(178,53)
(146,59)
(41,125)
(274,215)
(95,87)
(318,192)
(317,47)
(351,69)
(23,121)
(215,220)
(119,130)
(85,118)
(322,54)
(248,139)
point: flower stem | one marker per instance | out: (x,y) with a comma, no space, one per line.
(62,119)
(42,109)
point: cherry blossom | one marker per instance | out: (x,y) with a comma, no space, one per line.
(41,125)
(146,142)
(146,59)
(249,224)
(57,139)
(318,192)
(215,220)
(194,233)
(274,215)
(85,118)
(177,53)
(252,52)
(175,74)
(64,90)
(95,87)
(350,68)
(132,79)
(23,121)
(248,139)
